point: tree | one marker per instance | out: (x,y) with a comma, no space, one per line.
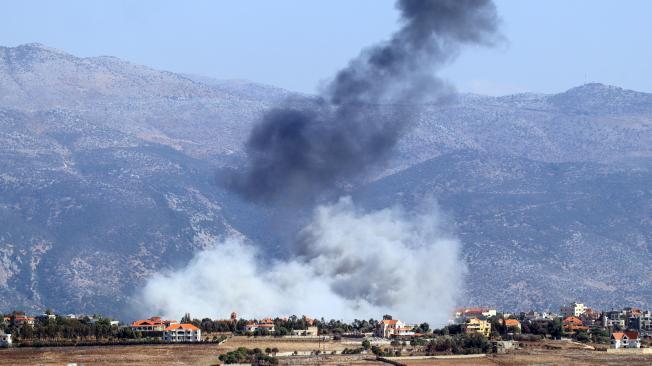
(186,319)
(582,336)
(376,351)
(555,328)
(423,328)
(366,344)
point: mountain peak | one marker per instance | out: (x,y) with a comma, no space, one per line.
(594,88)
(38,47)
(601,98)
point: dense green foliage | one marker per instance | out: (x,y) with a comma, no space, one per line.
(245,355)
(459,344)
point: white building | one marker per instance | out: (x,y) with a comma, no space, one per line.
(94,320)
(625,340)
(462,314)
(265,325)
(613,319)
(389,328)
(310,332)
(182,333)
(5,339)
(574,309)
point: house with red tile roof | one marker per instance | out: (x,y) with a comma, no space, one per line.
(182,333)
(263,325)
(573,323)
(625,340)
(153,324)
(391,328)
(22,319)
(513,324)
(462,314)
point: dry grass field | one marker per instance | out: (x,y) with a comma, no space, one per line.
(158,355)
(206,354)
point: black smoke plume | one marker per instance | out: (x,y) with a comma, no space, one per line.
(297,152)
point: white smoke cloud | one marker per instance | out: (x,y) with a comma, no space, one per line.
(349,264)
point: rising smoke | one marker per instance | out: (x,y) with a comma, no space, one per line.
(346,263)
(358,265)
(296,153)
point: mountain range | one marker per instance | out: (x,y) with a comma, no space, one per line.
(108,174)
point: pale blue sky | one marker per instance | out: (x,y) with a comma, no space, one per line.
(552,44)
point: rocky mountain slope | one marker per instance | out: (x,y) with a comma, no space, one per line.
(107,174)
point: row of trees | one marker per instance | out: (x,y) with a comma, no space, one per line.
(449,344)
(244,355)
(285,326)
(50,329)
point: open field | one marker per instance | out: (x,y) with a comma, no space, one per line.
(159,355)
(568,356)
(202,355)
(540,353)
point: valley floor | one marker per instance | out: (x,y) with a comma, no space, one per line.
(206,354)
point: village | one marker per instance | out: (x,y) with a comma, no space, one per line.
(471,332)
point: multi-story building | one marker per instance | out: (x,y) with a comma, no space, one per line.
(153,324)
(21,320)
(614,319)
(182,333)
(575,309)
(591,317)
(389,328)
(642,323)
(477,326)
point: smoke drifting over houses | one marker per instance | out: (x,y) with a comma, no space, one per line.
(358,265)
(295,153)
(346,262)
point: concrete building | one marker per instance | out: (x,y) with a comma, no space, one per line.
(501,346)
(477,326)
(643,322)
(614,319)
(309,332)
(574,309)
(182,333)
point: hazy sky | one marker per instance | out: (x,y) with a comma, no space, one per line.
(551,45)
